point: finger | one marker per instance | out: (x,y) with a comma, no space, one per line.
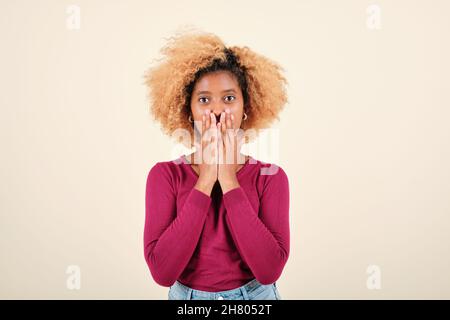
(212,118)
(227,140)
(206,136)
(212,124)
(211,142)
(227,150)
(216,128)
(230,130)
(240,136)
(203,123)
(235,147)
(203,136)
(222,122)
(231,144)
(229,124)
(219,144)
(235,130)
(207,120)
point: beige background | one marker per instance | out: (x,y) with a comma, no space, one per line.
(364,141)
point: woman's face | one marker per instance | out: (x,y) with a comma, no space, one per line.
(217,91)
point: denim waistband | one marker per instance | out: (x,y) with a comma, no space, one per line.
(249,286)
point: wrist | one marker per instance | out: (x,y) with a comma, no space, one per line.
(229,184)
(205,187)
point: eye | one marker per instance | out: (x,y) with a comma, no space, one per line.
(200,99)
(234,98)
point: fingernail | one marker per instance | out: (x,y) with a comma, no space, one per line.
(227,110)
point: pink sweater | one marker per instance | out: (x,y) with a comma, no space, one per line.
(217,242)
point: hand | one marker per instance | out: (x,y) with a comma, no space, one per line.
(228,147)
(209,153)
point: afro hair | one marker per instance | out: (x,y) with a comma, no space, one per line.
(187,56)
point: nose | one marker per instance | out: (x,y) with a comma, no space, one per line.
(217,112)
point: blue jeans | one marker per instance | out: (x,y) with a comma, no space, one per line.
(252,290)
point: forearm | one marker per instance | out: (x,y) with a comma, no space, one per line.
(265,252)
(168,255)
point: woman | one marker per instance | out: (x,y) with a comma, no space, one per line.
(217,221)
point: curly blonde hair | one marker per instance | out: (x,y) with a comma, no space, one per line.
(189,55)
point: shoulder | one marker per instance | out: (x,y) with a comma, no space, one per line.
(167,166)
(164,171)
(270,175)
(267,169)
(272,170)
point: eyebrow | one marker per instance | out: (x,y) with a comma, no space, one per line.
(227,90)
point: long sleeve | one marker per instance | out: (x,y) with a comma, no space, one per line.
(262,240)
(170,239)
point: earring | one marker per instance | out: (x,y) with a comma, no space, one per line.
(245,116)
(190,119)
